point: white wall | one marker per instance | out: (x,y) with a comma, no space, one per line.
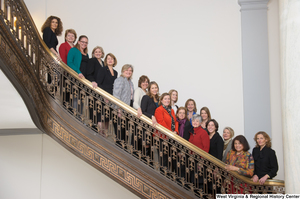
(193,46)
(275,84)
(12,105)
(35,166)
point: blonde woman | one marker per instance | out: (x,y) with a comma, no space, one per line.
(228,134)
(174,98)
(94,64)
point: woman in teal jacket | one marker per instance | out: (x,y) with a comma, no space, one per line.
(78,57)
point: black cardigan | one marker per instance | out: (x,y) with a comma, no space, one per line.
(105,80)
(50,38)
(216,146)
(92,68)
(265,162)
(148,106)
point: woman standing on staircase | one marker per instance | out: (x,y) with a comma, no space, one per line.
(265,160)
(139,92)
(174,98)
(105,79)
(165,116)
(205,114)
(94,64)
(77,60)
(78,57)
(216,141)
(70,38)
(191,108)
(124,91)
(51,29)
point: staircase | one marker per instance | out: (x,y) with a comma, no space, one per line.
(66,108)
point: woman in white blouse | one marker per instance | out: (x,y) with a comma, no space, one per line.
(174,98)
(139,92)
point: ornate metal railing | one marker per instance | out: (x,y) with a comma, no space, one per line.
(176,159)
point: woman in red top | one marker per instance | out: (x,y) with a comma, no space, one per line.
(165,115)
(70,38)
(199,136)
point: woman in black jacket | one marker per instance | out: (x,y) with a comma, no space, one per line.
(149,101)
(149,104)
(216,141)
(265,160)
(94,64)
(52,28)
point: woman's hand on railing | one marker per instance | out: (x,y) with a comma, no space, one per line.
(58,57)
(263,179)
(56,54)
(255,178)
(80,75)
(139,112)
(231,168)
(154,122)
(94,84)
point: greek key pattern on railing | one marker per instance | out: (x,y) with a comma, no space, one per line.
(104,115)
(101,161)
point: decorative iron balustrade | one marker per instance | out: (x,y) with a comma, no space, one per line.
(172,156)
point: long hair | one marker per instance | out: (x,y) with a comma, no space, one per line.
(207,112)
(156,97)
(266,136)
(191,100)
(171,91)
(47,24)
(77,44)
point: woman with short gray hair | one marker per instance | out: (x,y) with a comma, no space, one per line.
(199,136)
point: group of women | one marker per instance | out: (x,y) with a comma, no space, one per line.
(199,129)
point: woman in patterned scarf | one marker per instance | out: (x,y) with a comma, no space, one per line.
(165,116)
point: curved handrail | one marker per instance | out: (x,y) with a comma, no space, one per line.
(128,109)
(159,127)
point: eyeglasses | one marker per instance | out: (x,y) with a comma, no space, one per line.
(84,42)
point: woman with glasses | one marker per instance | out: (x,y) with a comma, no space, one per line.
(77,60)
(78,57)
